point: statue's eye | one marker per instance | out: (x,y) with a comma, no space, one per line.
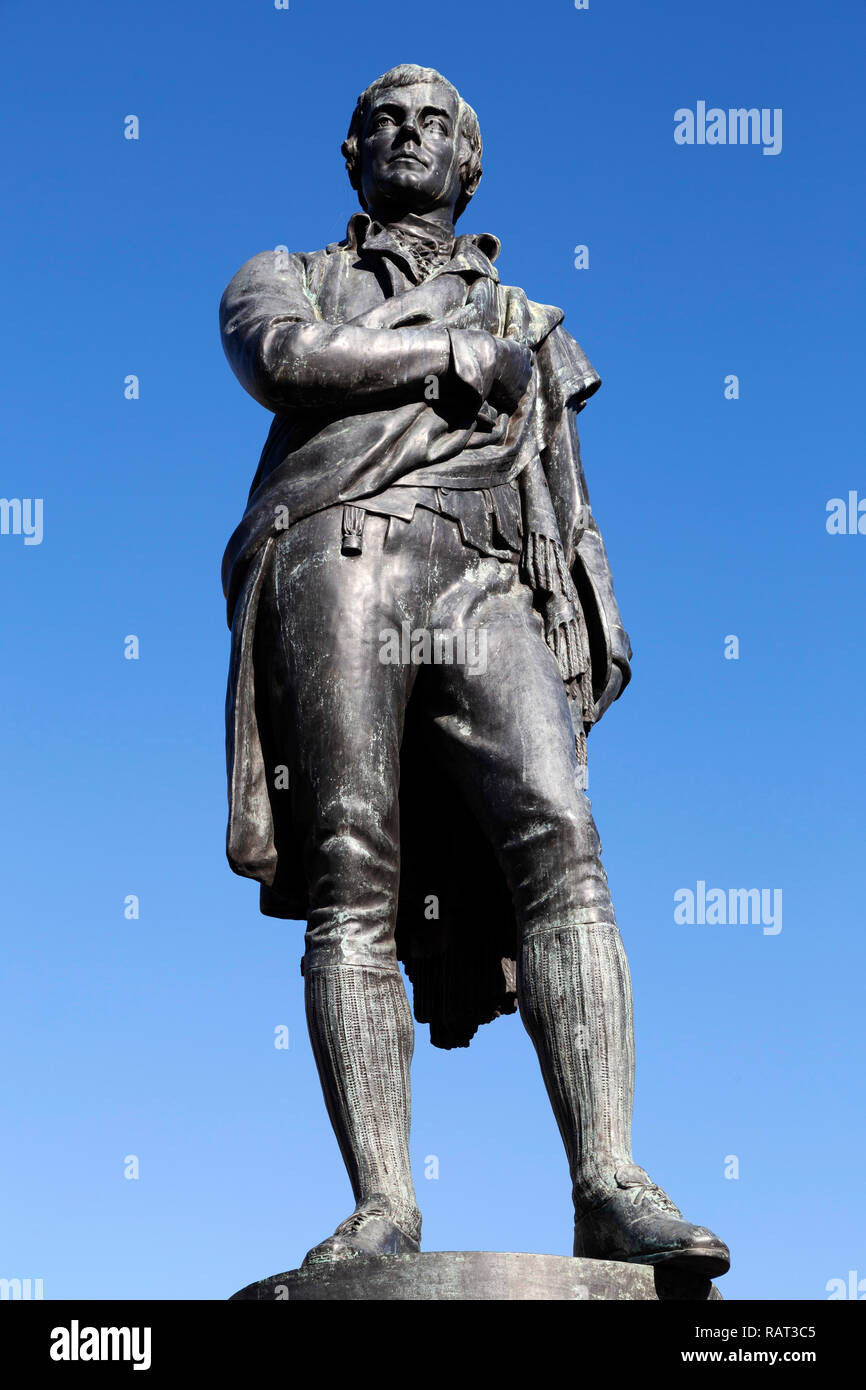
(436,123)
(381,121)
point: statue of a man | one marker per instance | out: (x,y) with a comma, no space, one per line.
(423,632)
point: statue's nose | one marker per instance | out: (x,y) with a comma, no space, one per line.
(409,130)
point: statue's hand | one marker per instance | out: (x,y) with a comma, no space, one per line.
(499,368)
(436,302)
(513,370)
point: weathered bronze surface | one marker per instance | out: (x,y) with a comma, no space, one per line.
(424,632)
(476,1276)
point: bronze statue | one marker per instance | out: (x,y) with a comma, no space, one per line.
(424,631)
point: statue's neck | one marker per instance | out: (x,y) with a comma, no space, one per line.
(437,225)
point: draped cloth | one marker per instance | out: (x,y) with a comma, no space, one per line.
(340,451)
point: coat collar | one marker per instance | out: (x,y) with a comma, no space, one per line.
(472,253)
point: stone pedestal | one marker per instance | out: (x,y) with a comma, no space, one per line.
(456,1275)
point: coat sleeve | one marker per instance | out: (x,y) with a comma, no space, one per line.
(286,356)
(566,382)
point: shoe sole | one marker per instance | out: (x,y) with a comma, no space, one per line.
(708,1264)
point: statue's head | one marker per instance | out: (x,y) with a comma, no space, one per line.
(414,145)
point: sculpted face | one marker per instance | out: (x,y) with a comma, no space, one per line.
(411,151)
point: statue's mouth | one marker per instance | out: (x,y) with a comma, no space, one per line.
(404,157)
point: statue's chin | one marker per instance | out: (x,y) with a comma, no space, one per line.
(403,188)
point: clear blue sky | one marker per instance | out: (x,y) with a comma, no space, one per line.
(155,1037)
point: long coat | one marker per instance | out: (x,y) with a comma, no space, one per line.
(319,453)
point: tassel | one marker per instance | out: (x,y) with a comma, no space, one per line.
(562,633)
(353,530)
(543,565)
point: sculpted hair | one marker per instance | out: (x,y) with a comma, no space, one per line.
(406,75)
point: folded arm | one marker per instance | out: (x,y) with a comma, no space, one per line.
(286,356)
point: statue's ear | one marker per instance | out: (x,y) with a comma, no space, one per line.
(465,162)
